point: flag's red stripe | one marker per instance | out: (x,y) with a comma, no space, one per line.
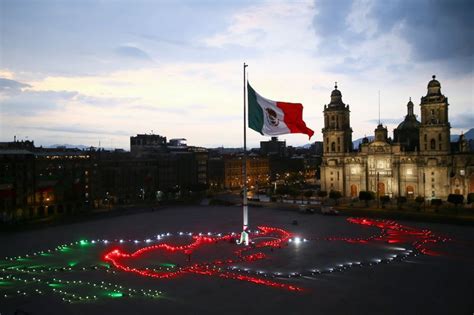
(294,118)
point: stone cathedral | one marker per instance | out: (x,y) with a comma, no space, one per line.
(420,160)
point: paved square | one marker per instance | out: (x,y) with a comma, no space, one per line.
(184,260)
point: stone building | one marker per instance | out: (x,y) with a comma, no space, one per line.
(226,172)
(419,161)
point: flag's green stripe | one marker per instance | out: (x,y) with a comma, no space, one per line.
(255,112)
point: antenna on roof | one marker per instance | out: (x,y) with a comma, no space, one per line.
(379,107)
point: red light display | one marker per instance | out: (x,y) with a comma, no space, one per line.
(391,232)
(212,268)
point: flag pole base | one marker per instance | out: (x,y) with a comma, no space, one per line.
(244,239)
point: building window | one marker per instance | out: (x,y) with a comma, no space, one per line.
(439,137)
(432,179)
(462,172)
(426,137)
(432,173)
(440,147)
(333,147)
(409,171)
(433,144)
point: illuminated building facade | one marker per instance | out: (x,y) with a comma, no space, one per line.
(419,161)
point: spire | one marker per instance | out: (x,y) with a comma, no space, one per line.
(336,98)
(410,108)
(379,107)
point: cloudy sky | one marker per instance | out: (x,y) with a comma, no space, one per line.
(80,72)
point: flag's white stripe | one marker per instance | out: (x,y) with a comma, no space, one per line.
(268,128)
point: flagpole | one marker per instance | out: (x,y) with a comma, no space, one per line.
(244,237)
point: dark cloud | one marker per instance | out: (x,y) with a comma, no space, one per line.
(132,52)
(330,24)
(21,101)
(436,30)
(78,129)
(11,86)
(462,121)
(32,102)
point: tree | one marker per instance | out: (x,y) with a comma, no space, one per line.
(384,200)
(335,195)
(436,203)
(401,200)
(293,192)
(308,194)
(470,198)
(455,199)
(282,190)
(419,200)
(322,194)
(366,196)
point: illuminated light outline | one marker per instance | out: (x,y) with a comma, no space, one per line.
(208,269)
(390,232)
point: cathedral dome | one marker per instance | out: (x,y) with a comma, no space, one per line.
(434,87)
(434,83)
(410,122)
(336,99)
(336,92)
(408,131)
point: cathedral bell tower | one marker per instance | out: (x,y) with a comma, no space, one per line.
(337,132)
(434,127)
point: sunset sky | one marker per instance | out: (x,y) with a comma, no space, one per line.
(80,72)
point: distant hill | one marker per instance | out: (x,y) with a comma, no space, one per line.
(74,146)
(68,146)
(469,135)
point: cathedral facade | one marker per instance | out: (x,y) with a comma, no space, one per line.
(419,161)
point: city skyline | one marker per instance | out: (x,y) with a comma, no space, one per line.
(104,71)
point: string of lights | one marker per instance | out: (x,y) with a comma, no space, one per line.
(31,274)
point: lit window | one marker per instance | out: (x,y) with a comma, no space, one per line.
(462,172)
(409,171)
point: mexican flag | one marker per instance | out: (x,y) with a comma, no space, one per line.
(275,118)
